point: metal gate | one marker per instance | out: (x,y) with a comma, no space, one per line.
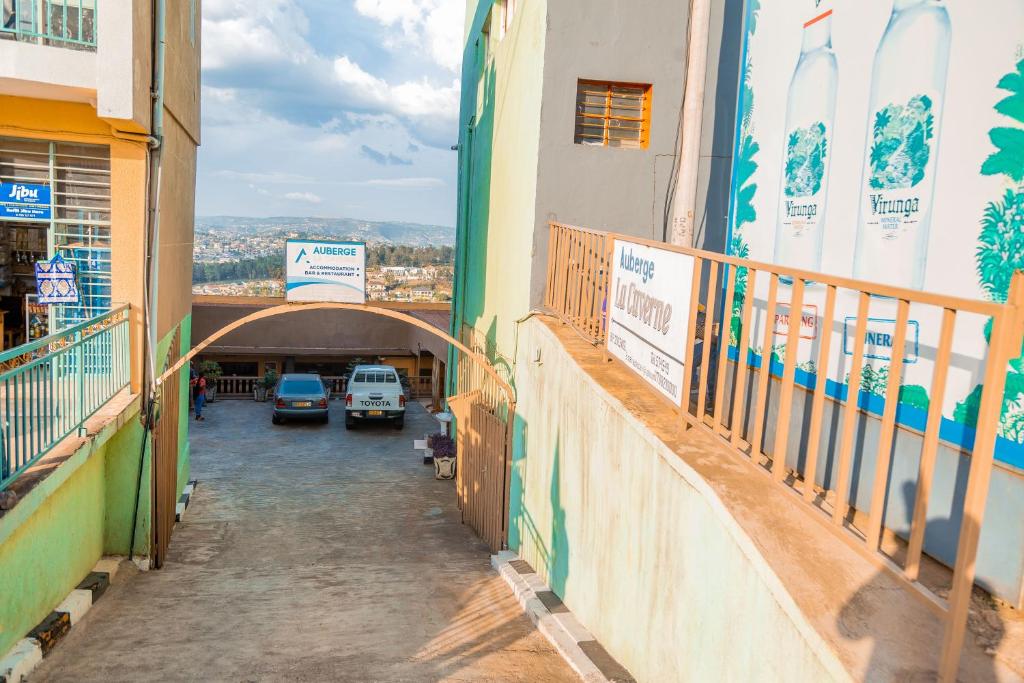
(165,459)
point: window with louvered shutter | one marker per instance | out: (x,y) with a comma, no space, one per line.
(613,114)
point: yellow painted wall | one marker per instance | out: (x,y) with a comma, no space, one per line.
(501,105)
(177,224)
(181,89)
(72,122)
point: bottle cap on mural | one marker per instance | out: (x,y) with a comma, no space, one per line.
(820,10)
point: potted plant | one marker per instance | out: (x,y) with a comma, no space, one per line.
(265,385)
(444,459)
(432,440)
(211,369)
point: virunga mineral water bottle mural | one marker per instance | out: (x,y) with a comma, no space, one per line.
(810,122)
(908,84)
(885,142)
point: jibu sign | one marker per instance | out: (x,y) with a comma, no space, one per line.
(22,200)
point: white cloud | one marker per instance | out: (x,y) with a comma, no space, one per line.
(432,26)
(260,53)
(273,178)
(241,31)
(307,197)
(293,90)
(404,182)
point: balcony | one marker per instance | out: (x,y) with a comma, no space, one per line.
(61,23)
(51,387)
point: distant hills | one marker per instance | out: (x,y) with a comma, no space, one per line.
(386,232)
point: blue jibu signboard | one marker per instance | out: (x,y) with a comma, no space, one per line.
(325,271)
(55,282)
(22,200)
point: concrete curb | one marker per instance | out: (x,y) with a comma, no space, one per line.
(553,619)
(28,652)
(186,495)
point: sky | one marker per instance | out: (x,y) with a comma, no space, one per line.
(330,108)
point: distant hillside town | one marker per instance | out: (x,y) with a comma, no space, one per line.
(237,256)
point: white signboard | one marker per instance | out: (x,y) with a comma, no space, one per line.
(325,271)
(648,310)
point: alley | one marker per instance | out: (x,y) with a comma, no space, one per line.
(311,553)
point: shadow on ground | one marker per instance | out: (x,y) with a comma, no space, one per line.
(311,553)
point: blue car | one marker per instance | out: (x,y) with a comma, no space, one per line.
(300,396)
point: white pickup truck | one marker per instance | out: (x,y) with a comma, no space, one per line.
(374,393)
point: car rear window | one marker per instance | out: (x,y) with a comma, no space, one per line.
(301,386)
(375,377)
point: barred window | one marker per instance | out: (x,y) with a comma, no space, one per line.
(613,114)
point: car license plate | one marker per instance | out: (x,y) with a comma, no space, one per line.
(302,404)
(376,413)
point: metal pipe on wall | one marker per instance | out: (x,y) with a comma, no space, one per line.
(684,206)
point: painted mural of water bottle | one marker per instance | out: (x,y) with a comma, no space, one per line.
(908,86)
(810,116)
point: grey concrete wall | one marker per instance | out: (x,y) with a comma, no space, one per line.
(1000,567)
(638,544)
(332,331)
(725,45)
(599,187)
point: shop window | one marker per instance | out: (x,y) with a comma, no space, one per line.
(76,224)
(613,114)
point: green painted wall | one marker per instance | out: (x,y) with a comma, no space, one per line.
(56,533)
(499,134)
(184,452)
(82,511)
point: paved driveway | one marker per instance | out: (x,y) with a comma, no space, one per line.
(311,553)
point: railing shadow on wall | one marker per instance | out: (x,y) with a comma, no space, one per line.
(49,388)
(728,393)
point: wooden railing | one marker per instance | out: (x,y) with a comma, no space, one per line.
(727,381)
(577,284)
(244,387)
(236,387)
(420,387)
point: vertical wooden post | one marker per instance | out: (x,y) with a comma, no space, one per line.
(851,412)
(818,402)
(796,309)
(1004,345)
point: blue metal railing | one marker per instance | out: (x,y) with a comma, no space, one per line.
(50,387)
(63,23)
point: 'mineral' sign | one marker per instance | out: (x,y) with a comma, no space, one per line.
(648,311)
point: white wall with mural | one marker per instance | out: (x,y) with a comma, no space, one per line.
(885,141)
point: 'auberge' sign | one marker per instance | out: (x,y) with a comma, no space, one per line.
(648,314)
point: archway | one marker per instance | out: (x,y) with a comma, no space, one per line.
(484,406)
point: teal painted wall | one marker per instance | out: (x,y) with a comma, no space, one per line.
(498,157)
